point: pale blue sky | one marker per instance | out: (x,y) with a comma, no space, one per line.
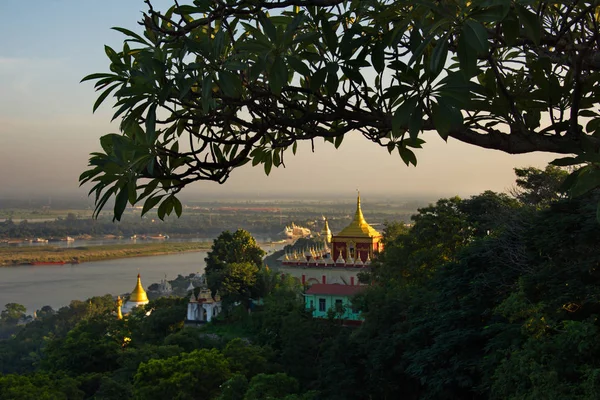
(47,128)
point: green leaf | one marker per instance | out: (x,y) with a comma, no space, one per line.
(114,57)
(120,203)
(103,96)
(510,29)
(530,22)
(132,192)
(476,36)
(278,75)
(353,74)
(177,206)
(445,118)
(230,84)
(135,36)
(206,93)
(317,79)
(151,124)
(267,26)
(332,78)
(268,164)
(329,35)
(218,42)
(338,141)
(298,66)
(416,121)
(98,76)
(492,14)
(587,179)
(163,208)
(467,58)
(407,156)
(438,57)
(378,56)
(402,116)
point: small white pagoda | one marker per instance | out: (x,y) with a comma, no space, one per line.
(203,308)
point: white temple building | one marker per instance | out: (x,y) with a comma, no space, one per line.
(203,308)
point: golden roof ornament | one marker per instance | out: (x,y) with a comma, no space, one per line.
(138,294)
(359,226)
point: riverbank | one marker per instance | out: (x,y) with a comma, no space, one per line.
(11,256)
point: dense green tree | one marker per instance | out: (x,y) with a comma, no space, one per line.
(245,358)
(232,248)
(234,388)
(24,351)
(38,387)
(12,313)
(536,187)
(158,319)
(88,348)
(195,375)
(245,82)
(236,282)
(276,386)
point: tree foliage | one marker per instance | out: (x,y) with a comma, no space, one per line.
(209,86)
(539,188)
(232,262)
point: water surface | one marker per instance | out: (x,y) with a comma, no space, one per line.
(56,285)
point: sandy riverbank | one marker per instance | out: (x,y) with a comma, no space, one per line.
(11,256)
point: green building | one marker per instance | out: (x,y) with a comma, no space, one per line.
(324,297)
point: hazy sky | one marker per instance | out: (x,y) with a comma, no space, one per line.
(47,128)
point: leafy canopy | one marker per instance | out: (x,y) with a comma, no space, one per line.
(210,86)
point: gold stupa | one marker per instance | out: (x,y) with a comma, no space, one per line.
(359,227)
(138,295)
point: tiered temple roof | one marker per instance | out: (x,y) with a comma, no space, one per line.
(321,255)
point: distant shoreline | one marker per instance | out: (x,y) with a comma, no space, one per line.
(20,256)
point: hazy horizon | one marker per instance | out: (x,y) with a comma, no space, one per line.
(47,128)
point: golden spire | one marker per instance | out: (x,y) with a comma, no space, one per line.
(139,294)
(119,304)
(326,232)
(358,215)
(359,226)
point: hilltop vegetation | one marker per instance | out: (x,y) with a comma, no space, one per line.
(490,297)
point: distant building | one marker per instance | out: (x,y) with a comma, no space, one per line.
(295,231)
(138,297)
(323,299)
(165,287)
(339,258)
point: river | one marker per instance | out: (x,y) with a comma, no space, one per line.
(56,285)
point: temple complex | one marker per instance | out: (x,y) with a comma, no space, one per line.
(339,258)
(138,297)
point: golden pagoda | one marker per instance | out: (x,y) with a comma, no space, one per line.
(138,294)
(358,241)
(138,297)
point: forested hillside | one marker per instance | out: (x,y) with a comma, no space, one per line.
(490,297)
